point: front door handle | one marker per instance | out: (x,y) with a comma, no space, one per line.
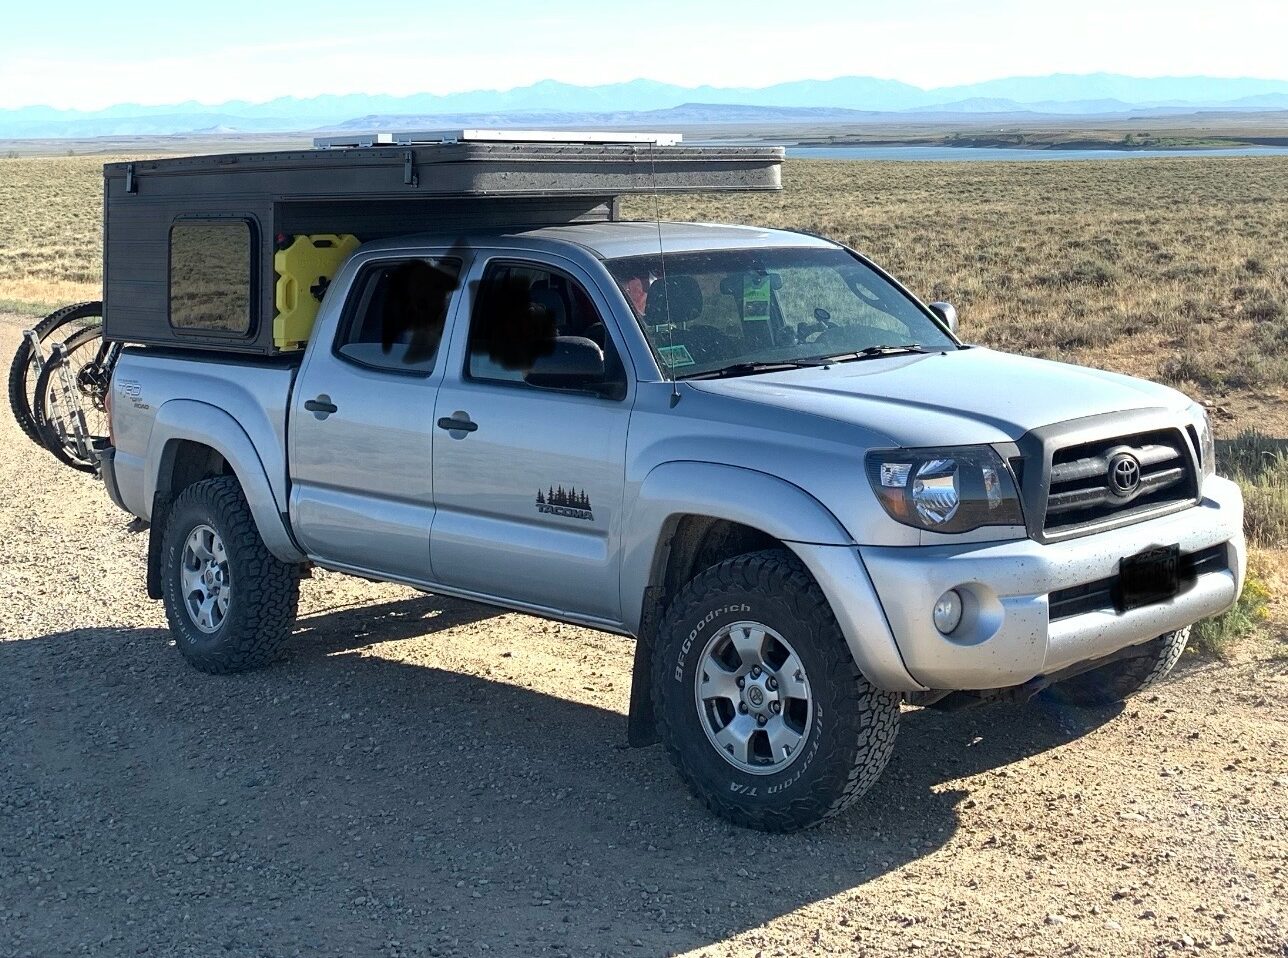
(457,422)
(322,406)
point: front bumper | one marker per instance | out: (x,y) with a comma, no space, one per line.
(1007,636)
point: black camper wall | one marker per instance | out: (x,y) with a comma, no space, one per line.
(222,207)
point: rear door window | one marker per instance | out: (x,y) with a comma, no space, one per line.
(396,313)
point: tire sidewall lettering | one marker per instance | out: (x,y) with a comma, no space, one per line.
(765,787)
(697,631)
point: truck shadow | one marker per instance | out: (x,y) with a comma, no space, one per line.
(340,801)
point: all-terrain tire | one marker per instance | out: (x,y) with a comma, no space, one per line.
(1120,680)
(20,368)
(264,594)
(850,736)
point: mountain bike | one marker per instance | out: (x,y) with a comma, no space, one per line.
(58,390)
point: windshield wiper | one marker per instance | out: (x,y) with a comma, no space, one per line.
(747,368)
(871,352)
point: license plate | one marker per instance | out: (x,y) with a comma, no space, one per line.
(1149,577)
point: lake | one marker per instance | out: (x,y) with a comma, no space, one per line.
(957,153)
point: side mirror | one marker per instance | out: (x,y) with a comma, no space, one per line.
(575,362)
(948,313)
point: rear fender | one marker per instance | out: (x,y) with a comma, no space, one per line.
(187,419)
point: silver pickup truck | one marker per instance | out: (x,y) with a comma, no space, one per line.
(751,450)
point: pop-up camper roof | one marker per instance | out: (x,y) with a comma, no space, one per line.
(494,163)
(373,185)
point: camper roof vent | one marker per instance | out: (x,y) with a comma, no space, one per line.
(430,137)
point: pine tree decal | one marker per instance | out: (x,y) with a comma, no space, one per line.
(571,503)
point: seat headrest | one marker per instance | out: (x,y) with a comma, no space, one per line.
(546,303)
(682,293)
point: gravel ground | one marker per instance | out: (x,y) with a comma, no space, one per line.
(426,776)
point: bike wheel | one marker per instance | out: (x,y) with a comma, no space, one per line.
(58,417)
(23,372)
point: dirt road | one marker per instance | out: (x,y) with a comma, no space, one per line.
(423,776)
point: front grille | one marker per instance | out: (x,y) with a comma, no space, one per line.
(1099,596)
(1082,490)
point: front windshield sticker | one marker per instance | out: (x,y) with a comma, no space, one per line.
(755,297)
(675,356)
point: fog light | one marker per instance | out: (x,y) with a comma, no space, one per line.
(948,611)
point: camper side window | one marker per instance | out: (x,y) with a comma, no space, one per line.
(211,268)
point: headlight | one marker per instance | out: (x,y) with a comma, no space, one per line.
(950,489)
(1207,445)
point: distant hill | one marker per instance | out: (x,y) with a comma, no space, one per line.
(845,98)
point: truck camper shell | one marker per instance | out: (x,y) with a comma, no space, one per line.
(192,250)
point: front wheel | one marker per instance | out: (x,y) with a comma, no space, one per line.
(758,699)
(230,601)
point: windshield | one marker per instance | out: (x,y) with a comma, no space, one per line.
(751,307)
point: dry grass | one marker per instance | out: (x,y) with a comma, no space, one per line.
(1173,269)
(51,231)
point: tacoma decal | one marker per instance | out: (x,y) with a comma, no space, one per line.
(569,503)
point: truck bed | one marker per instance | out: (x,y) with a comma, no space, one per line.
(152,386)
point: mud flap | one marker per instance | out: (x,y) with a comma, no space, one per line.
(641,724)
(160,515)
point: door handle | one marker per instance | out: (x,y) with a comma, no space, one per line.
(322,406)
(460,422)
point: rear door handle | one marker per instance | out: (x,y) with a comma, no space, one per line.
(457,423)
(322,406)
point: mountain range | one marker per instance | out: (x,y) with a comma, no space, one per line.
(850,99)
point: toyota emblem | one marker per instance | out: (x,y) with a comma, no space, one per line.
(1124,474)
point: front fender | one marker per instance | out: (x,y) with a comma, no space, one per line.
(777,508)
(202,423)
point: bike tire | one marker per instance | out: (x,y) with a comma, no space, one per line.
(50,437)
(21,380)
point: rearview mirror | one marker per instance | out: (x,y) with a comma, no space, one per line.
(948,313)
(574,362)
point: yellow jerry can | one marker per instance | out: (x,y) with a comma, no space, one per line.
(304,270)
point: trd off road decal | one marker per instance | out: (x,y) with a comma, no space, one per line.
(565,502)
(132,393)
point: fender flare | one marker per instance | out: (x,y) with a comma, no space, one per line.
(733,493)
(210,426)
(773,506)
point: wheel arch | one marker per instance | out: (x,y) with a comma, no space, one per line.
(679,504)
(690,516)
(191,441)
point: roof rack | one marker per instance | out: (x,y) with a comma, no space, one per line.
(431,137)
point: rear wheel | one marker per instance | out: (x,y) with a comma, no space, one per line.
(758,699)
(1122,679)
(230,601)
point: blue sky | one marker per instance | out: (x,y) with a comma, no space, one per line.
(87,54)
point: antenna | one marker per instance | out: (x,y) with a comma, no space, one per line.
(666,292)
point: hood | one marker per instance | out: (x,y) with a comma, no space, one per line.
(965,396)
